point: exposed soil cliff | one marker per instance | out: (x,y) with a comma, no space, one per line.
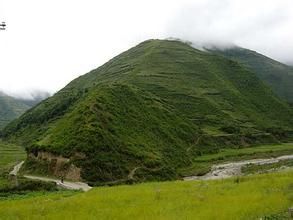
(55,165)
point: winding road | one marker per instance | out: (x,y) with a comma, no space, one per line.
(16,169)
(218,171)
(65,184)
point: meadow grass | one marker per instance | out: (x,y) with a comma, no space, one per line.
(249,197)
(10,154)
(275,149)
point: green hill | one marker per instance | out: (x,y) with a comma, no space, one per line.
(278,75)
(10,108)
(147,113)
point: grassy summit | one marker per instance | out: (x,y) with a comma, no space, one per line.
(148,112)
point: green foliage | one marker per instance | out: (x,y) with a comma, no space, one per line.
(277,75)
(10,109)
(10,155)
(251,197)
(248,152)
(25,186)
(145,114)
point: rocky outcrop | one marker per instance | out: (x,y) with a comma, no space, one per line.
(57,165)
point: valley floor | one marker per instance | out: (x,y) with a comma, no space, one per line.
(226,170)
(246,197)
(10,154)
(203,164)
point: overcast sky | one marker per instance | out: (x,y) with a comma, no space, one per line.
(49,43)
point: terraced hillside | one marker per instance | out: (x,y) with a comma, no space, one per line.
(145,115)
(277,75)
(10,154)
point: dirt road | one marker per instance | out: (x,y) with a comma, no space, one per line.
(219,171)
(16,169)
(66,184)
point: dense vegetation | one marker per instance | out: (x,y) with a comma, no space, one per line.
(24,187)
(148,112)
(278,75)
(10,186)
(266,196)
(10,155)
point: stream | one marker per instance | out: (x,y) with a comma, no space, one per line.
(230,169)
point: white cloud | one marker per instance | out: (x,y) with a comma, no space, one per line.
(49,43)
(262,25)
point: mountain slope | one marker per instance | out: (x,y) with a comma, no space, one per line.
(35,98)
(10,108)
(148,112)
(278,75)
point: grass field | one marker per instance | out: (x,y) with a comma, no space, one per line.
(250,197)
(274,150)
(10,155)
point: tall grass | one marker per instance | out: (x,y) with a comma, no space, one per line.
(248,198)
(10,154)
(265,150)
